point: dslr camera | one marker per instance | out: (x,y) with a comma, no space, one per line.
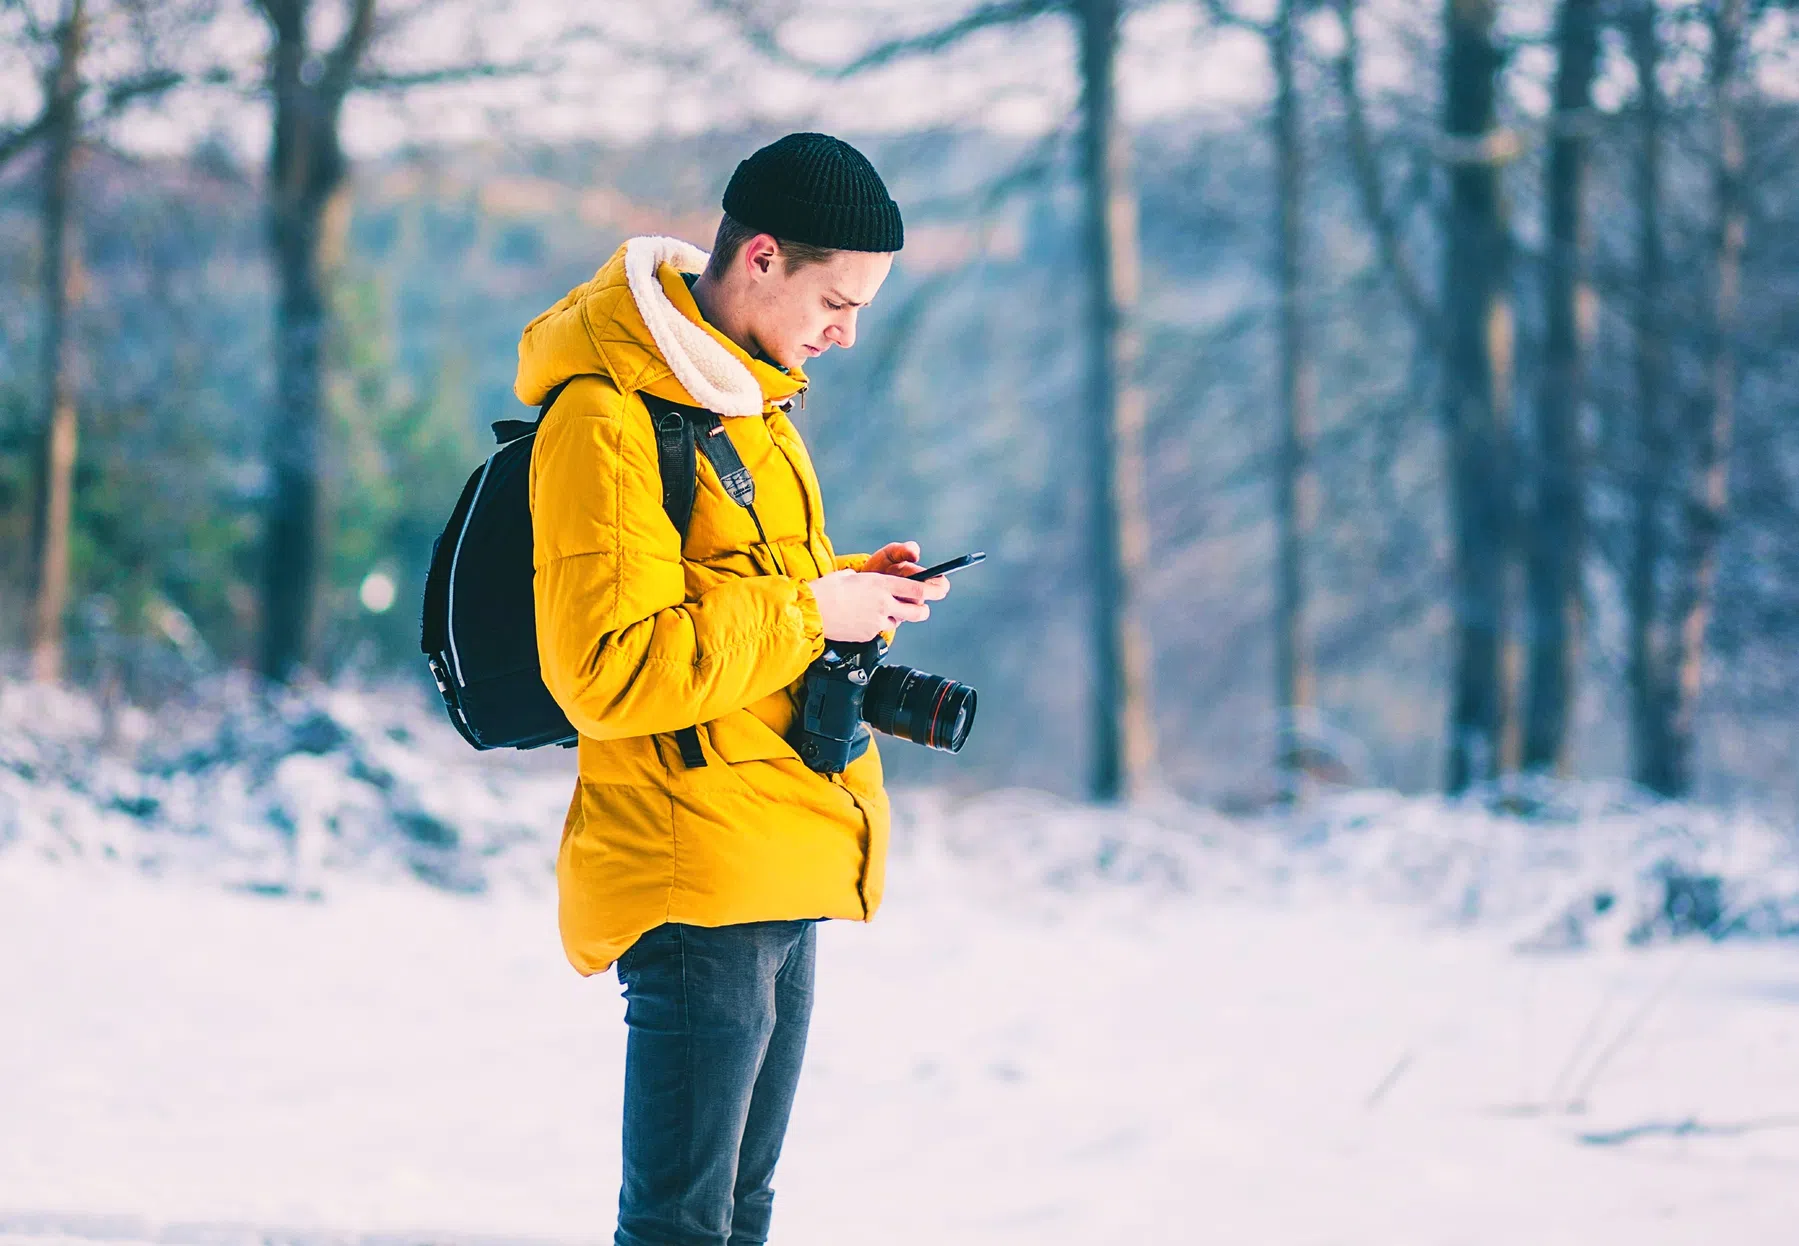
(848,690)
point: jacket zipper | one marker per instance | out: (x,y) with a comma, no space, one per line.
(813,506)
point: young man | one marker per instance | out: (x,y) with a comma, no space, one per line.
(701,875)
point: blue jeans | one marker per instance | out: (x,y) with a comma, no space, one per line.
(718,1020)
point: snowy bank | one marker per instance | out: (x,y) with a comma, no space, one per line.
(328,783)
(1555,867)
(276,796)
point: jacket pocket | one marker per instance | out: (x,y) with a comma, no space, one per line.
(741,736)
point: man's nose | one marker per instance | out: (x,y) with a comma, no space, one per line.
(844,332)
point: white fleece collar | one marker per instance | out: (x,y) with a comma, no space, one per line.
(716,379)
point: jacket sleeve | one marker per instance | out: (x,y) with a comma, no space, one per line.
(851,562)
(621,650)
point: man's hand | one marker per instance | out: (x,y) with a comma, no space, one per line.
(857,605)
(901,558)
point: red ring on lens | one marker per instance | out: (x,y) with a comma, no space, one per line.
(936,706)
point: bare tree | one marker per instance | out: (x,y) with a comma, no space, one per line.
(1470,325)
(1294,486)
(1653,448)
(1475,397)
(1682,501)
(55,484)
(307,168)
(1118,529)
(1712,420)
(1295,489)
(1556,536)
(65,36)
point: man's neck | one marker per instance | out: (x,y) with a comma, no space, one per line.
(720,311)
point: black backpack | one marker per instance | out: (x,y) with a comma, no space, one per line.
(479,624)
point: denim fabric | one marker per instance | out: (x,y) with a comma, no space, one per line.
(718,1019)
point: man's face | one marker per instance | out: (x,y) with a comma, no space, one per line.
(797,316)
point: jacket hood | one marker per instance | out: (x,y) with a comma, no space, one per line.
(637,323)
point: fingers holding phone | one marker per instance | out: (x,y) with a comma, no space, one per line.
(858,605)
(936,579)
(891,589)
(894,558)
(901,558)
(935,588)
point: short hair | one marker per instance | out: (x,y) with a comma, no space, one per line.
(733,233)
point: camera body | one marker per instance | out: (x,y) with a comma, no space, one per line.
(848,690)
(829,733)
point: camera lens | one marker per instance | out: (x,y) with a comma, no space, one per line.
(925,709)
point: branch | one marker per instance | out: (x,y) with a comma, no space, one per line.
(284,17)
(15,141)
(35,32)
(981,17)
(340,66)
(397,80)
(120,95)
(1367,175)
(1226,18)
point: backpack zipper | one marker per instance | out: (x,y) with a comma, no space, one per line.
(456,557)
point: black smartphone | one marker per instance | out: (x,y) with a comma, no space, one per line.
(944,568)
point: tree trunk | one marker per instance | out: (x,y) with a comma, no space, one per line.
(1654,457)
(1557,538)
(1708,494)
(1476,381)
(1294,486)
(291,537)
(55,488)
(306,166)
(1123,737)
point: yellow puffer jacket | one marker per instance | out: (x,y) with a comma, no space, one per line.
(639,636)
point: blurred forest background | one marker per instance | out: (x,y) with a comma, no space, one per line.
(1346,391)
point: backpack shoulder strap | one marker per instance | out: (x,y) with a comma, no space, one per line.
(678,428)
(674,424)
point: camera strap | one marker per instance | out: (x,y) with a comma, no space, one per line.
(721,451)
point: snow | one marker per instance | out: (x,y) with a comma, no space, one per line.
(275,798)
(1390,1020)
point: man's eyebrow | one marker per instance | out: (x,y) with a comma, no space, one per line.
(844,298)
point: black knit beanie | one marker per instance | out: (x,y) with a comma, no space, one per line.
(815,189)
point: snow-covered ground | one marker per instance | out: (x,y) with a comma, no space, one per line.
(1394,1021)
(1098,1069)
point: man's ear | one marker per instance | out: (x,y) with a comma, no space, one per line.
(760,254)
